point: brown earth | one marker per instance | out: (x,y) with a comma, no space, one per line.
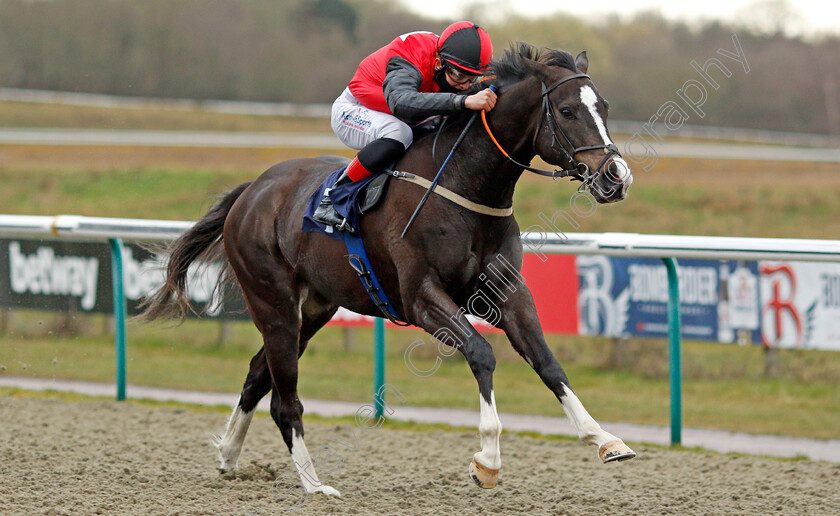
(103,457)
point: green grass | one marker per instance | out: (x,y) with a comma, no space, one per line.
(724,387)
(711,209)
(164,193)
(24,114)
(131,193)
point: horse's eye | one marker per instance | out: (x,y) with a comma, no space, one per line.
(567,113)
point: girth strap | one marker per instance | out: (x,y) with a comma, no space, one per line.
(452,196)
(361,265)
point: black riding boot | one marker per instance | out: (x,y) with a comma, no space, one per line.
(326,214)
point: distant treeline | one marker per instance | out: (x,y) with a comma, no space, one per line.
(306,51)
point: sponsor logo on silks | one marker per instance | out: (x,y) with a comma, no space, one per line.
(45,273)
(356,120)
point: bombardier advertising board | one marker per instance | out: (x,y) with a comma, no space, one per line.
(781,304)
(629,297)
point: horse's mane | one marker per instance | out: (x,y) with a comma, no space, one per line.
(509,69)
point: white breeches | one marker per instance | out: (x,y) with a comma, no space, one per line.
(356,125)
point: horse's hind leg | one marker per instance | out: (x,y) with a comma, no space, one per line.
(281,352)
(276,304)
(257,385)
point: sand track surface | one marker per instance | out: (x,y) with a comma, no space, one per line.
(102,457)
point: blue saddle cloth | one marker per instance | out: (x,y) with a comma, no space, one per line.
(345,199)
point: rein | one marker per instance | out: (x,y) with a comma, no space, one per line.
(554,174)
(434,182)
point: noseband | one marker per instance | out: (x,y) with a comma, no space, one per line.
(579,171)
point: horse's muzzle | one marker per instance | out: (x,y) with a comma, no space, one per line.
(613,181)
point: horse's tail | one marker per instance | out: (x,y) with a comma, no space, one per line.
(203,240)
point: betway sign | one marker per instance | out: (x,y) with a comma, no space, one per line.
(42,272)
(77,277)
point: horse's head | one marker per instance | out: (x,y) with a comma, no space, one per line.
(572,127)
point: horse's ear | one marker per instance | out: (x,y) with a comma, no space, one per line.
(582,62)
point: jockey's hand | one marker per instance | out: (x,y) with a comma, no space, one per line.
(483,100)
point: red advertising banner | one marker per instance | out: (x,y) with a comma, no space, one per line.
(553,284)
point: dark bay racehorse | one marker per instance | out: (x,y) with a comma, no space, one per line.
(294,282)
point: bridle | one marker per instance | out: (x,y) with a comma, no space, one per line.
(579,171)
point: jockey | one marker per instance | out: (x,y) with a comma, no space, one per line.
(416,76)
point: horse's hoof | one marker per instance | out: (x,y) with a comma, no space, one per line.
(483,477)
(327,490)
(615,451)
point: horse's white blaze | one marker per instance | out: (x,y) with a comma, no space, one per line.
(588,97)
(589,431)
(490,429)
(230,445)
(305,468)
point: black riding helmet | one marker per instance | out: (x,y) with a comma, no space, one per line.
(466,47)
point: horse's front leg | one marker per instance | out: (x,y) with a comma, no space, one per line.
(521,324)
(435,312)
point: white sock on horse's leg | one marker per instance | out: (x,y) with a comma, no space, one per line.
(484,469)
(230,445)
(305,468)
(610,447)
(589,431)
(490,429)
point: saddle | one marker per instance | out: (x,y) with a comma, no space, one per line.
(349,202)
(355,199)
(373,193)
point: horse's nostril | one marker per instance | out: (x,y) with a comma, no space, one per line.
(613,172)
